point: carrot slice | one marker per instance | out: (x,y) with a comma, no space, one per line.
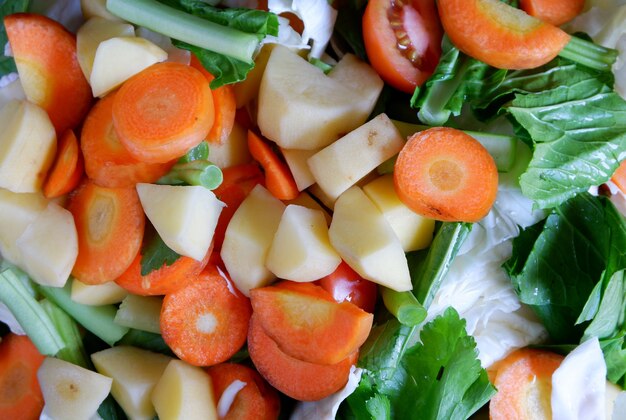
(224,103)
(524,383)
(163,111)
(499,34)
(300,380)
(206,322)
(167,279)
(237,183)
(278,178)
(107,162)
(445,174)
(20,395)
(257,400)
(110,225)
(619,177)
(555,12)
(67,169)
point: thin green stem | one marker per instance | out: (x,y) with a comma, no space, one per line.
(589,54)
(404,306)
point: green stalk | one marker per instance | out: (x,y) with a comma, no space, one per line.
(73,352)
(404,306)
(31,316)
(185,27)
(589,54)
(97,319)
(196,172)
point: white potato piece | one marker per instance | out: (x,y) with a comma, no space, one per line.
(92,8)
(135,373)
(17,211)
(306,200)
(92,33)
(140,312)
(97,294)
(414,231)
(248,238)
(299,107)
(297,162)
(48,247)
(70,391)
(342,164)
(184,392)
(184,216)
(118,59)
(301,250)
(27,146)
(233,151)
(247,90)
(366,242)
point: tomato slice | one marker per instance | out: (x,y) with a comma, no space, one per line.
(346,284)
(402,40)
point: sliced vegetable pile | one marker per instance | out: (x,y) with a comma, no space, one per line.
(311,209)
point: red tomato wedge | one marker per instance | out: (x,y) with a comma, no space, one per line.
(346,284)
(402,40)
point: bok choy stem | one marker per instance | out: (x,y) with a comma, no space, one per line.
(404,306)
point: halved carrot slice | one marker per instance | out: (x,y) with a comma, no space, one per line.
(107,162)
(499,34)
(206,322)
(295,378)
(110,225)
(445,174)
(163,111)
(555,12)
(67,169)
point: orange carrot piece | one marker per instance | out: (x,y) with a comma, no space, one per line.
(163,111)
(524,383)
(555,12)
(308,324)
(167,279)
(300,380)
(110,225)
(278,178)
(257,400)
(20,394)
(237,183)
(206,322)
(445,174)
(224,103)
(107,162)
(68,168)
(499,34)
(619,177)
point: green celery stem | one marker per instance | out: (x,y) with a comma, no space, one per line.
(197,172)
(404,306)
(74,352)
(589,54)
(185,27)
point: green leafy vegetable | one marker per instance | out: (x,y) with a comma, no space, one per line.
(154,253)
(8,7)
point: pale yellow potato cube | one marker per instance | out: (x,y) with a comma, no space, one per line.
(233,151)
(297,162)
(97,294)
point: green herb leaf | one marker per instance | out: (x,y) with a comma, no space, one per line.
(155,254)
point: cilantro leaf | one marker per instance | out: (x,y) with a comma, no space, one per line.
(155,254)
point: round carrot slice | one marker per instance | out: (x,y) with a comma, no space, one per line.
(500,35)
(107,162)
(67,169)
(555,12)
(445,174)
(110,225)
(163,111)
(206,322)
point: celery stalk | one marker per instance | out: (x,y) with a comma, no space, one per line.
(404,306)
(97,319)
(31,316)
(185,27)
(73,352)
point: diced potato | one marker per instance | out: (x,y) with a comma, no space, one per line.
(302,108)
(414,231)
(297,162)
(27,146)
(184,216)
(17,211)
(306,200)
(140,312)
(362,236)
(118,59)
(301,250)
(233,151)
(135,373)
(184,392)
(342,164)
(97,294)
(317,192)
(48,247)
(70,391)
(248,238)
(92,33)
(248,89)
(93,8)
